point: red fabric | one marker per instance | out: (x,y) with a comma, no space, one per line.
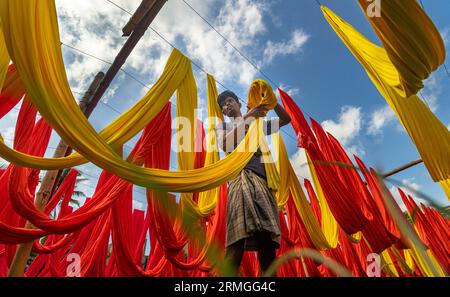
(288,242)
(427,232)
(372,183)
(102,200)
(31,138)
(375,232)
(349,212)
(12,92)
(314,202)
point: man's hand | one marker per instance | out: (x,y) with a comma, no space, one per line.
(256,112)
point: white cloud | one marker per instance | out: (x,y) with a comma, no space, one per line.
(445,33)
(291,91)
(9,136)
(432,90)
(347,128)
(348,125)
(300,164)
(410,187)
(138,205)
(96,29)
(293,46)
(379,119)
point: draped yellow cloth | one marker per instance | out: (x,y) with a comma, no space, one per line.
(431,137)
(329,223)
(41,67)
(424,267)
(186,122)
(411,40)
(207,200)
(321,237)
(388,264)
(128,124)
(445,184)
(261,93)
(4,58)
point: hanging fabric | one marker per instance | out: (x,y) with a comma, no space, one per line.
(4,58)
(411,40)
(430,136)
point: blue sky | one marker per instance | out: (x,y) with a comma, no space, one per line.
(289,40)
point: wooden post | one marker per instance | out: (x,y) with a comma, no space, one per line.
(126,50)
(142,10)
(99,87)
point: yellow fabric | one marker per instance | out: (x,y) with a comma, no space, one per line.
(329,223)
(411,40)
(388,265)
(261,93)
(290,181)
(408,259)
(282,166)
(207,200)
(186,118)
(4,58)
(273,177)
(355,238)
(41,67)
(424,268)
(430,136)
(445,184)
(131,122)
(404,258)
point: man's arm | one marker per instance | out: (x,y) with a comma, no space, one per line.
(283,115)
(273,126)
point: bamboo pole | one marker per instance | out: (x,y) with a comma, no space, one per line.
(402,168)
(99,87)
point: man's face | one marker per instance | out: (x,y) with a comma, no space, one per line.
(230,107)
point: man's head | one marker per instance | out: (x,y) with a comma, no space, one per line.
(229,104)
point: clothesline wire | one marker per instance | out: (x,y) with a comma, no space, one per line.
(139,81)
(194,63)
(231,44)
(143,84)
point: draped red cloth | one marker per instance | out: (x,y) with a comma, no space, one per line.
(31,137)
(375,232)
(427,229)
(110,236)
(350,211)
(22,201)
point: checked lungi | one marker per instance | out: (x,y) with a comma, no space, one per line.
(251,208)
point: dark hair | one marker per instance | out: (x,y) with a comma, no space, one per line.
(224,95)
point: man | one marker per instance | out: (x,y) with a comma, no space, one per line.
(252,222)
